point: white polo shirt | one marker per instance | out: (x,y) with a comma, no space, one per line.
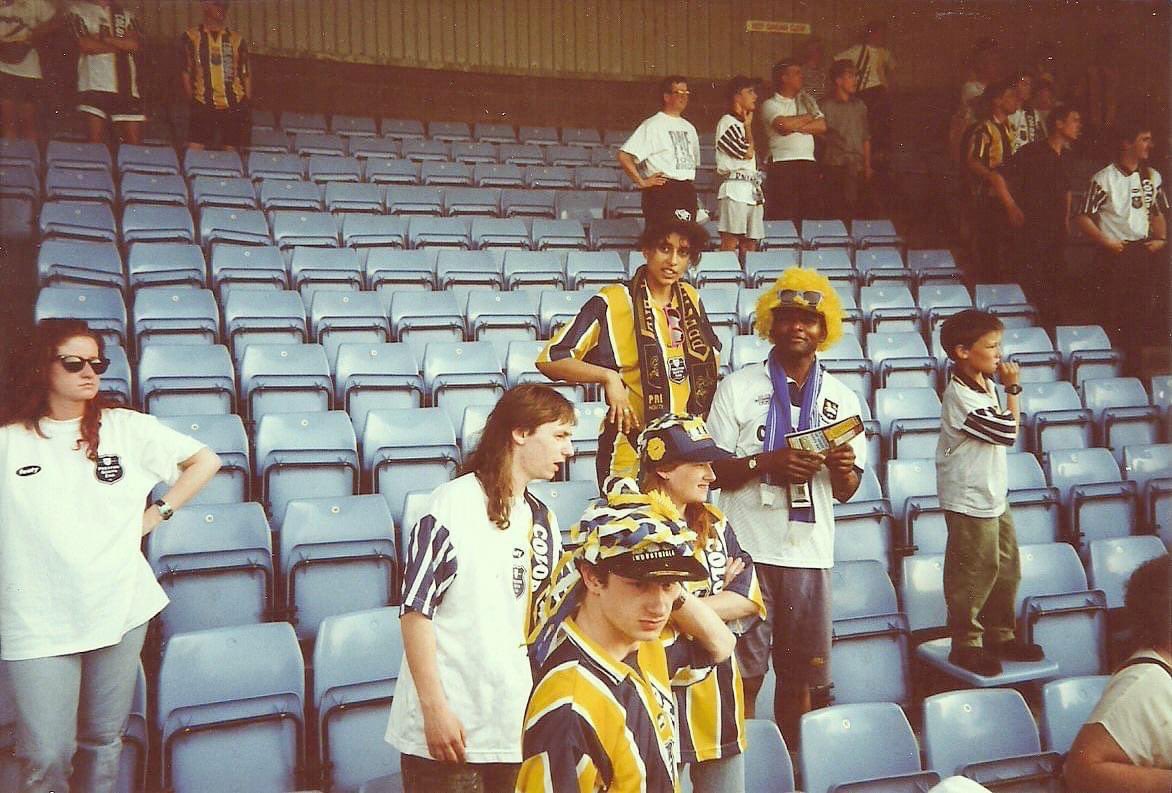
(737,169)
(665,145)
(472,580)
(796,145)
(72,574)
(759,513)
(1123,203)
(1136,709)
(18,18)
(975,433)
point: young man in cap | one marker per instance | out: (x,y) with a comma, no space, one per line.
(217,80)
(791,543)
(611,643)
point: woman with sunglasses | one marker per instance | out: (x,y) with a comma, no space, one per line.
(75,591)
(647,343)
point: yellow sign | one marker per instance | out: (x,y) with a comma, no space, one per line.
(767,26)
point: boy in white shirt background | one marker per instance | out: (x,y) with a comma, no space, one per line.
(742,210)
(661,157)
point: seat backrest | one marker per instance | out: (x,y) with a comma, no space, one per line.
(905,403)
(1162,390)
(1099,394)
(909,478)
(1112,561)
(359,647)
(1058,395)
(321,521)
(1049,569)
(861,589)
(885,296)
(422,304)
(329,433)
(1021,340)
(944,295)
(906,344)
(1142,462)
(1066,705)
(1069,339)
(922,589)
(749,350)
(964,727)
(1070,467)
(1024,471)
(424,433)
(767,760)
(459,357)
(567,500)
(852,743)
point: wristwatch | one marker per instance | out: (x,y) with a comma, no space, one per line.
(753,463)
(165,509)
(1013,390)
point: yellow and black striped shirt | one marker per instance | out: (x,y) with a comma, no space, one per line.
(603,334)
(712,711)
(596,724)
(216,61)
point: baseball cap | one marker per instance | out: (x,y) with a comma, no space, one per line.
(678,438)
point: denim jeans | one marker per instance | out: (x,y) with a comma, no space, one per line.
(74,703)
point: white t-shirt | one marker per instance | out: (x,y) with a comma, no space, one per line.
(72,575)
(1124,202)
(17,20)
(874,64)
(796,145)
(759,513)
(666,145)
(473,581)
(975,433)
(737,169)
(109,72)
(1136,709)
(1025,126)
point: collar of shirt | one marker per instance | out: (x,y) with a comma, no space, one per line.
(1123,169)
(967,383)
(616,671)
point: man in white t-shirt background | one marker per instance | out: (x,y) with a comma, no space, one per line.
(788,531)
(661,157)
(792,119)
(742,210)
(23,25)
(108,41)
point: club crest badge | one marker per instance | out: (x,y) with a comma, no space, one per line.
(108,468)
(829,410)
(518,572)
(677,370)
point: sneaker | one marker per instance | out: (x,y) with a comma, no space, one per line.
(976,660)
(1015,651)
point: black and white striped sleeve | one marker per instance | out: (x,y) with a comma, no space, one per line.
(991,426)
(430,568)
(733,142)
(1096,198)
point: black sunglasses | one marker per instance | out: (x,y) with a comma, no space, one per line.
(75,363)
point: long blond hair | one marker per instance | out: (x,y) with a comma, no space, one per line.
(524,408)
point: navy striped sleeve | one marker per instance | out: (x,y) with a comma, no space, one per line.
(560,749)
(567,342)
(430,568)
(991,426)
(1096,197)
(743,583)
(1161,203)
(733,143)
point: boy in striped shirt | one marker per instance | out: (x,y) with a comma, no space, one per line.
(981,564)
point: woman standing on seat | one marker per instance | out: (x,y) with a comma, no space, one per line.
(675,460)
(76,592)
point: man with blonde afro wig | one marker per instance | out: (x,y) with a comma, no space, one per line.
(789,531)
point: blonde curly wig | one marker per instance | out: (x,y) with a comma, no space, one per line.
(830,307)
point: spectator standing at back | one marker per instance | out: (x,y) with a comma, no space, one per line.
(1039,179)
(983,68)
(661,157)
(792,119)
(982,567)
(218,81)
(742,209)
(1125,215)
(1026,122)
(108,42)
(814,78)
(874,65)
(23,24)
(988,147)
(846,164)
(1126,744)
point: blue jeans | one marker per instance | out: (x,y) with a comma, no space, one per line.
(726,775)
(74,703)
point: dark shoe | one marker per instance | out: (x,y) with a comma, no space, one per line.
(1015,651)
(975,659)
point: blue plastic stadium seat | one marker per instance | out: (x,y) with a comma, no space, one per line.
(349,198)
(763,267)
(410,200)
(748,350)
(1031,349)
(313,270)
(215,563)
(597,178)
(884,266)
(316,144)
(229,709)
(473,153)
(541,136)
(268,141)
(521,155)
(426,150)
(154,189)
(304,455)
(1066,705)
(356,663)
(392,171)
(1053,417)
(864,746)
(483,201)
(458,374)
(492,174)
(865,524)
(909,419)
(351,127)
(402,129)
(869,652)
(155,223)
(889,308)
(211,163)
(558,234)
(593,269)
(223,191)
(290,194)
(985,735)
(369,376)
(1111,563)
(339,317)
(1150,467)
(1057,610)
(1086,352)
(116,381)
(374,148)
(78,220)
(530,203)
(533,270)
(824,233)
(20,180)
(583,205)
(911,486)
(263,119)
(440,232)
(284,378)
(717,267)
(408,450)
(263,166)
(581,136)
(499,233)
(767,760)
(389,269)
(169,315)
(1034,503)
(623,205)
(295,122)
(337,556)
(549,177)
(16,218)
(448,131)
(224,435)
(558,308)
(325,169)
(567,500)
(614,233)
(166,264)
(370,231)
(1097,502)
(264,316)
(418,318)
(250,266)
(176,380)
(85,156)
(502,317)
(239,226)
(102,308)
(72,184)
(901,359)
(315,229)
(1123,415)
(445,174)
(870,233)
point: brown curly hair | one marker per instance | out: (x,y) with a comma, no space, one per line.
(524,408)
(700,519)
(26,401)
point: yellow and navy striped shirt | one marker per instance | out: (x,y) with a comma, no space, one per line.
(217,63)
(596,724)
(603,334)
(712,711)
(990,144)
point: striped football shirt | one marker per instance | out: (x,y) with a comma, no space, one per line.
(975,433)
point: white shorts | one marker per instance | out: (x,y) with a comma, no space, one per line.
(745,220)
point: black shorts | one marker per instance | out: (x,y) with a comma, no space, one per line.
(111,106)
(674,200)
(21,89)
(231,127)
